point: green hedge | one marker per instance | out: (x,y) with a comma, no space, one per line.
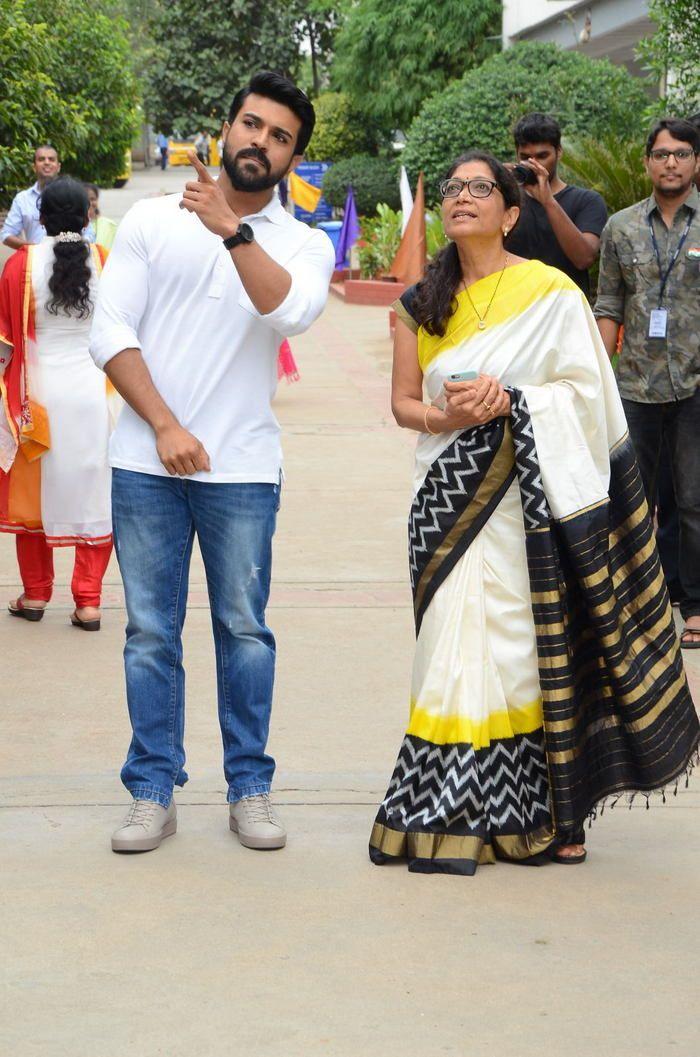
(341,130)
(587,97)
(374,180)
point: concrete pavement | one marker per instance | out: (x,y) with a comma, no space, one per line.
(206,948)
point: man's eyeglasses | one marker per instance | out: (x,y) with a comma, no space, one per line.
(682,154)
(477,187)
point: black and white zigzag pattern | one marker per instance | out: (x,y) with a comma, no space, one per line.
(442,786)
(448,488)
(535,507)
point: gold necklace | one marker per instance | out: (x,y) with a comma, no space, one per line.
(482,319)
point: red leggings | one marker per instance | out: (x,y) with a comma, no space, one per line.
(35,559)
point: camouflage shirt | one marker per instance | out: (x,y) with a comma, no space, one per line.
(653,370)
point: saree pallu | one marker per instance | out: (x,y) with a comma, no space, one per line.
(548,673)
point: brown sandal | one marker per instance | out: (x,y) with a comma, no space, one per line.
(18,609)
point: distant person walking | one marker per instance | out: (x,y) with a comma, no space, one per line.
(22,225)
(201,146)
(560,224)
(162,142)
(650,283)
(55,422)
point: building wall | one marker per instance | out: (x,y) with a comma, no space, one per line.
(598,28)
(519,15)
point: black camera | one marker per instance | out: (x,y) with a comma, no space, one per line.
(524,175)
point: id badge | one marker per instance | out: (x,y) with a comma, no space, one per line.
(657,323)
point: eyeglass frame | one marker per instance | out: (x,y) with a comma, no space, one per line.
(465,183)
(662,150)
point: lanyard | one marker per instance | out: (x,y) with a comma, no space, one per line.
(664,276)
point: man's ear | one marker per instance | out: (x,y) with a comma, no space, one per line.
(225,130)
(296,159)
(560,151)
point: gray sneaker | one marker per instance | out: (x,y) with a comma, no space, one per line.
(257,823)
(145,826)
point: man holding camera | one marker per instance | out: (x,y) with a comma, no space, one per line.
(560,224)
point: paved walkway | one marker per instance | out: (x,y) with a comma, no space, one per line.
(207,948)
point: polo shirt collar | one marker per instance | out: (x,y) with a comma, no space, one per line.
(35,189)
(273,211)
(692,202)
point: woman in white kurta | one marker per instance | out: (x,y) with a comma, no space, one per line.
(55,486)
(547,673)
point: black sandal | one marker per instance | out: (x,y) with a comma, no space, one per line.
(17,609)
(85,625)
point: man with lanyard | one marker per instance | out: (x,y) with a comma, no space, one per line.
(22,224)
(649,282)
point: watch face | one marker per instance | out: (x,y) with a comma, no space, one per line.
(245,232)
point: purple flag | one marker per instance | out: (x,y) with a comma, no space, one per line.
(349,232)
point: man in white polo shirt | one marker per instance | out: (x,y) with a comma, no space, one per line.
(194,300)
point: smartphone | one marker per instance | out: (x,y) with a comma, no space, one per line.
(463,376)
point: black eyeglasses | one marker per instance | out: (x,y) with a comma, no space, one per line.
(477,187)
(683,154)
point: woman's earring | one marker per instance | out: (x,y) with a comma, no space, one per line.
(505,232)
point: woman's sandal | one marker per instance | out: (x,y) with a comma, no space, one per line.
(85,625)
(690,644)
(569,860)
(18,609)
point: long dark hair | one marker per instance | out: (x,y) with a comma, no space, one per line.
(64,207)
(435,299)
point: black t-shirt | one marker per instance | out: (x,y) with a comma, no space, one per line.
(534,239)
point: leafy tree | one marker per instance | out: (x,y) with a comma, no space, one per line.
(374,180)
(203,53)
(587,96)
(392,54)
(341,129)
(673,54)
(31,107)
(89,62)
(319,21)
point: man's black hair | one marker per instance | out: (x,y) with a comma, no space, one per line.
(694,119)
(537,128)
(282,90)
(685,131)
(46,146)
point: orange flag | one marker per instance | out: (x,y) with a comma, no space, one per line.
(409,263)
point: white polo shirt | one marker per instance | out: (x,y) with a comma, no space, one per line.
(171,289)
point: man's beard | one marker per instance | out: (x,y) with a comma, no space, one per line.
(674,192)
(244,178)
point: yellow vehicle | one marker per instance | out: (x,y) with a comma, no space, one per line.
(177,151)
(125,176)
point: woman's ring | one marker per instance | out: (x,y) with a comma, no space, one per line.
(487,406)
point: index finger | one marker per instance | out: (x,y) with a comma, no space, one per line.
(202,174)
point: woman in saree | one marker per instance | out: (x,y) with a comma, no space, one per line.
(55,413)
(547,674)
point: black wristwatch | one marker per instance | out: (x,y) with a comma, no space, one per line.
(244,234)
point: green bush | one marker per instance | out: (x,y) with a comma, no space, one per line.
(341,130)
(379,240)
(612,166)
(587,96)
(374,180)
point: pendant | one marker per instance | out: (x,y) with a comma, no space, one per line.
(482,325)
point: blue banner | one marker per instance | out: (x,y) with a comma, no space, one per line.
(313,172)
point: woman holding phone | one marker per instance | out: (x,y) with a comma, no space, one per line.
(547,673)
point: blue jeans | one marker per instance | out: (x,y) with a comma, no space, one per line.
(155,521)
